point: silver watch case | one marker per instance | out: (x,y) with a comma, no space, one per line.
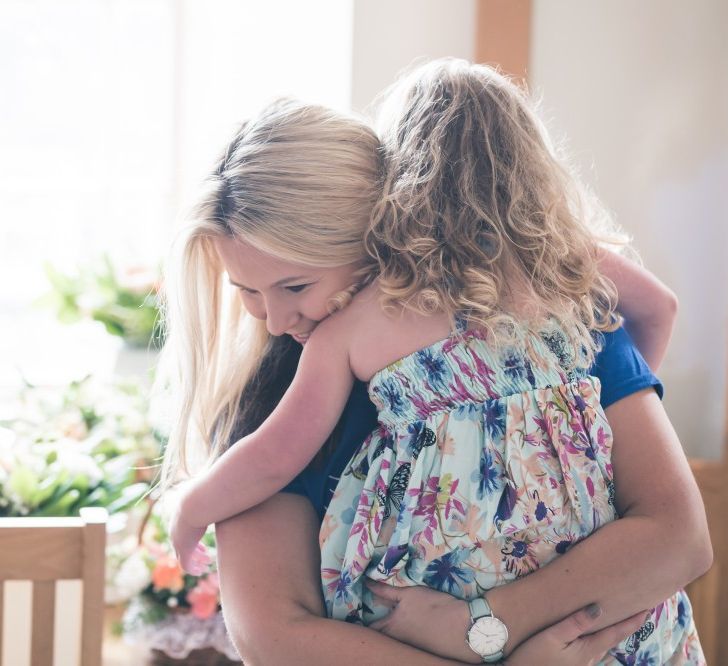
(487,637)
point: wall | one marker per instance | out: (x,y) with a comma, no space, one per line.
(641,92)
(232,57)
(388,36)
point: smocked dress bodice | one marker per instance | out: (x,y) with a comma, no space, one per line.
(485,465)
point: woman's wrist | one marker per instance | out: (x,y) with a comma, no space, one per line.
(517,633)
(460,625)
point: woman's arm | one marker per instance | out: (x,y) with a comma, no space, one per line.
(268,559)
(648,306)
(270,581)
(659,545)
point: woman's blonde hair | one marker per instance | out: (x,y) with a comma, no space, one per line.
(298,182)
(477,207)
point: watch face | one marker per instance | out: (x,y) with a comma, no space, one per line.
(487,636)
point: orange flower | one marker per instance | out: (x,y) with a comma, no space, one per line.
(204,597)
(167,574)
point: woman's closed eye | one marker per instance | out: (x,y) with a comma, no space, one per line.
(296,288)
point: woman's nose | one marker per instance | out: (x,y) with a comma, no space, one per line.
(279,320)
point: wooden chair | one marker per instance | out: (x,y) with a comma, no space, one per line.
(45,550)
(709,594)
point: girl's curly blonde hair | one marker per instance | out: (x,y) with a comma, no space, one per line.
(480,217)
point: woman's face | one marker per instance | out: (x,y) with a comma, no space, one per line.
(291,298)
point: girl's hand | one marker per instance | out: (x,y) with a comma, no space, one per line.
(648,306)
(191,554)
(569,643)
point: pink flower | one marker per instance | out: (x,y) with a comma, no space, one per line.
(204,597)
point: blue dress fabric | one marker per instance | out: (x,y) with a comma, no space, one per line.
(619,366)
(486,464)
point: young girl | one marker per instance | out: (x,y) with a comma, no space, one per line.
(496,246)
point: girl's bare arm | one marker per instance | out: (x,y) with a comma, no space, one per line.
(264,462)
(647,305)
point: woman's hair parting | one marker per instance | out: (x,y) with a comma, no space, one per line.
(298,182)
(479,215)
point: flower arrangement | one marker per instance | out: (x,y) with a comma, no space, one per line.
(125,301)
(86,445)
(94,443)
(173,613)
(168,587)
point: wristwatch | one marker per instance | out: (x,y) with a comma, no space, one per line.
(487,635)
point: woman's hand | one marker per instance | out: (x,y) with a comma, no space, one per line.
(569,643)
(438,622)
(424,618)
(191,554)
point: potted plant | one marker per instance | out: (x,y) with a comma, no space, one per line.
(126,301)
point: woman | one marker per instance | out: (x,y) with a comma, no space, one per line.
(316,173)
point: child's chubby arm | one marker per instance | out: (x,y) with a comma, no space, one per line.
(659,545)
(262,463)
(647,305)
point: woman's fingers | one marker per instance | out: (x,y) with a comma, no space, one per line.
(379,625)
(565,643)
(604,639)
(576,624)
(385,595)
(383,591)
(199,560)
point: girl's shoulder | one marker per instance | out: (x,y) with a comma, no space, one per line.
(342,327)
(363,306)
(378,337)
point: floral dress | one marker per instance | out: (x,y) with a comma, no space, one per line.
(485,465)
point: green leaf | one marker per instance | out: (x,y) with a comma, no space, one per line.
(112,325)
(81,482)
(62,506)
(24,483)
(129,495)
(46,489)
(97,497)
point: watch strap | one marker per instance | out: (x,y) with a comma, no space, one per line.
(479,607)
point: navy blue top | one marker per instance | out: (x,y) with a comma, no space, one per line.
(619,366)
